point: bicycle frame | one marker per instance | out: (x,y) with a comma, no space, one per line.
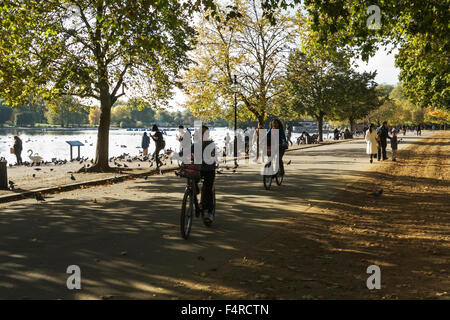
(192,188)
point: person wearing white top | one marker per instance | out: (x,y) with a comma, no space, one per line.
(372,142)
(259,132)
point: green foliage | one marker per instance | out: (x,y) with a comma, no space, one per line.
(314,85)
(93,49)
(127,123)
(360,96)
(397,110)
(418,28)
(5,113)
(245,45)
(67,111)
(25,118)
(81,47)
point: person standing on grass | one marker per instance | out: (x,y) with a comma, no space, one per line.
(394,145)
(159,144)
(371,140)
(145,144)
(383,134)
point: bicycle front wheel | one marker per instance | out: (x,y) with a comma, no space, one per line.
(187,213)
(279,178)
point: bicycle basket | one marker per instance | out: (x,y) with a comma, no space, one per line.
(192,171)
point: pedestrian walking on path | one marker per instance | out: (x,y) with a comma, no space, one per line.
(383,134)
(394,145)
(371,140)
(289,133)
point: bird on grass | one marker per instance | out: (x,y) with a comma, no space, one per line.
(39,197)
(11,185)
(72,177)
(377,193)
(34,175)
(146,177)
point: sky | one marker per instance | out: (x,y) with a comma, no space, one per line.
(384,64)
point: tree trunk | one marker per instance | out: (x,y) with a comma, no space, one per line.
(320,126)
(101,163)
(352,124)
(261,121)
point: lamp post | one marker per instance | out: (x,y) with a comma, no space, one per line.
(234,87)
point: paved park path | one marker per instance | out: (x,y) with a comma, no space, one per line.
(306,239)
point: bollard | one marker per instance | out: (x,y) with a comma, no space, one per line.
(3,175)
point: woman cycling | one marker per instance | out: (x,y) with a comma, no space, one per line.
(282,142)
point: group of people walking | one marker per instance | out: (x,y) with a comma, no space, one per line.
(376,139)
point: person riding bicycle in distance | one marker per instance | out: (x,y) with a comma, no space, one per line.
(208,169)
(282,143)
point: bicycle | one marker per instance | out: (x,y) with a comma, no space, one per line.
(190,204)
(268,178)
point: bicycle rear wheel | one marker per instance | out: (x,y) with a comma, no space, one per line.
(187,213)
(267,181)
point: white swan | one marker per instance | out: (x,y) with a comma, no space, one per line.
(35,157)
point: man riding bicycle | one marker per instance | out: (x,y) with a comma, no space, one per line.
(208,170)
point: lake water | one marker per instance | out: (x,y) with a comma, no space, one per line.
(52,144)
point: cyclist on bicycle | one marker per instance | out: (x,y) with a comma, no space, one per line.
(208,171)
(282,143)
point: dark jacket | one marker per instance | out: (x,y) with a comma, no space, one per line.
(145,142)
(394,143)
(205,166)
(18,146)
(159,140)
(383,133)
